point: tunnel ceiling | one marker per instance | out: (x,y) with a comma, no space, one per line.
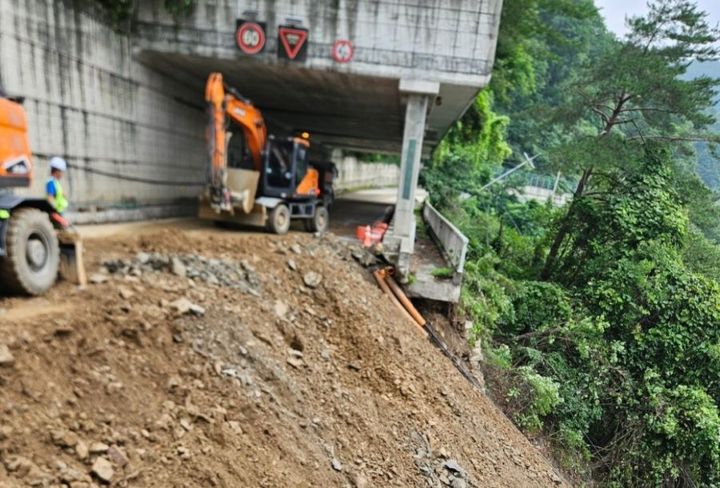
(338,109)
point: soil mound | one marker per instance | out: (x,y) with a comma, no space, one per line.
(203,359)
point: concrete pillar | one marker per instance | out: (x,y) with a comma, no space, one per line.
(420,95)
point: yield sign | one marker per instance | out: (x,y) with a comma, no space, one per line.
(293,41)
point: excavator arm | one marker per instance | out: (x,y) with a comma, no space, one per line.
(226,104)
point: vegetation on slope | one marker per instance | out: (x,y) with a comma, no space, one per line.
(600,321)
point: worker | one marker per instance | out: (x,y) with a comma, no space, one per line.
(54,190)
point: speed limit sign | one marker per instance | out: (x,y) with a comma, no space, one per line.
(343,51)
(250,36)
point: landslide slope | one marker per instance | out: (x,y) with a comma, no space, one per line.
(212,358)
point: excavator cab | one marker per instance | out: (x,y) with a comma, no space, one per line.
(286,170)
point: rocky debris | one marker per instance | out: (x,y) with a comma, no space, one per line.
(117,456)
(5,432)
(125,293)
(178,268)
(453,466)
(6,357)
(358,480)
(98,278)
(25,468)
(294,372)
(82,451)
(183,306)
(103,469)
(280,308)
(364,256)
(295,362)
(98,448)
(312,279)
(64,438)
(73,477)
(218,272)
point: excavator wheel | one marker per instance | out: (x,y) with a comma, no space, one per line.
(320,221)
(33,254)
(279,219)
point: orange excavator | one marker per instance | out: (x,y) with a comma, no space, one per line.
(35,241)
(258,179)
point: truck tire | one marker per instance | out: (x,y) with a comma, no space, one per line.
(320,221)
(33,254)
(279,219)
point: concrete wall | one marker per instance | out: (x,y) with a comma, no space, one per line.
(450,41)
(132,136)
(354,174)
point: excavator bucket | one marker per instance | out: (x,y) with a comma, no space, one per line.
(72,265)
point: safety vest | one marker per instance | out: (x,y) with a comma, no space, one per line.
(61,202)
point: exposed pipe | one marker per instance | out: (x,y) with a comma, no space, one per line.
(380,276)
(405,301)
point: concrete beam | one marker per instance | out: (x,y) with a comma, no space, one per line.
(420,87)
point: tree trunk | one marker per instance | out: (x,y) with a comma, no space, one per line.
(611,121)
(565,226)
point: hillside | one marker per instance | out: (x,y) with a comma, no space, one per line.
(206,359)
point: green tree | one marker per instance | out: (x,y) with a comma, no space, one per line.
(637,94)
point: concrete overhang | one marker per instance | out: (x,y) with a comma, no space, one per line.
(340,110)
(443,49)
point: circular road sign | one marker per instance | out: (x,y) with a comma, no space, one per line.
(250,38)
(342,51)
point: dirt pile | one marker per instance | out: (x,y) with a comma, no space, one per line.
(231,360)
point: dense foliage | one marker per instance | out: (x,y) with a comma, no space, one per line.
(600,321)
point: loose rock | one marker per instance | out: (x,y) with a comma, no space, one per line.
(98,278)
(183,306)
(281,309)
(295,362)
(178,268)
(103,469)
(312,279)
(98,448)
(117,456)
(6,357)
(82,451)
(64,438)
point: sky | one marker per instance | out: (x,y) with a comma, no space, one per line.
(615,11)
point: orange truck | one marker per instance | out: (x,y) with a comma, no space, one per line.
(258,179)
(35,242)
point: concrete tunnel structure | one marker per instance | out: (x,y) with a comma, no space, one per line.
(380,76)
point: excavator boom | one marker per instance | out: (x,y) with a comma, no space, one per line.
(223,104)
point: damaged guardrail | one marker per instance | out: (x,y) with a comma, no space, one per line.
(453,243)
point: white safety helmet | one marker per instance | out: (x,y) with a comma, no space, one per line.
(58,163)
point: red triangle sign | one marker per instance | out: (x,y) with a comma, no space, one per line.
(292,40)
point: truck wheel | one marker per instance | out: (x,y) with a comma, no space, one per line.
(320,222)
(33,253)
(279,219)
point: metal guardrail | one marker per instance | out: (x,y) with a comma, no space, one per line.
(452,242)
